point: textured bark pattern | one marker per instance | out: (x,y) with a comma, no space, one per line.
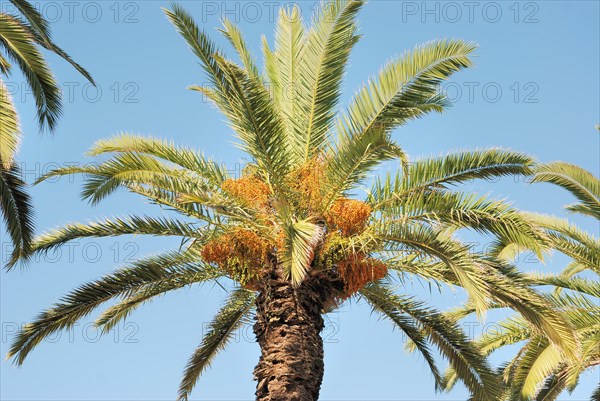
(288,328)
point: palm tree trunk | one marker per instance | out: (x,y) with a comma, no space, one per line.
(288,328)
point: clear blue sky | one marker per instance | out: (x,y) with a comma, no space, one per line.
(535,88)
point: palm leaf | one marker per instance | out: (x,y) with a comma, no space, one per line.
(322,64)
(220,330)
(124,282)
(10,133)
(17,213)
(581,183)
(301,240)
(406,88)
(466,360)
(19,44)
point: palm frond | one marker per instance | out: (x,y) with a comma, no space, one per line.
(463,210)
(289,42)
(201,46)
(581,183)
(322,63)
(406,88)
(40,30)
(453,344)
(17,213)
(456,256)
(257,123)
(233,34)
(451,169)
(19,44)
(580,285)
(137,225)
(187,158)
(301,240)
(10,132)
(153,271)
(234,314)
(352,159)
(379,299)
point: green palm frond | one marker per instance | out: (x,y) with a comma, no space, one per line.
(581,183)
(18,43)
(257,123)
(581,285)
(322,64)
(143,274)
(302,239)
(463,210)
(352,159)
(551,389)
(20,38)
(379,300)
(5,66)
(455,255)
(444,171)
(10,133)
(201,46)
(234,314)
(541,370)
(465,359)
(289,42)
(17,213)
(406,88)
(40,30)
(233,34)
(184,157)
(34,18)
(570,240)
(488,282)
(128,168)
(136,225)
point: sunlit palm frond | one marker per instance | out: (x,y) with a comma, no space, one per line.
(234,314)
(455,255)
(289,42)
(352,159)
(570,240)
(450,340)
(143,273)
(406,88)
(581,285)
(581,183)
(257,122)
(10,133)
(301,240)
(322,64)
(452,169)
(463,210)
(17,213)
(233,34)
(187,158)
(201,46)
(135,225)
(19,44)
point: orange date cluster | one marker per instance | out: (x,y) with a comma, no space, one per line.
(243,253)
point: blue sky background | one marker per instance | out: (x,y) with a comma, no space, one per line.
(535,88)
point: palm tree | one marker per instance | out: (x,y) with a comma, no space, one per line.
(20,39)
(287,234)
(540,371)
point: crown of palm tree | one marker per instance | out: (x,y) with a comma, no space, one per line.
(20,40)
(540,371)
(292,213)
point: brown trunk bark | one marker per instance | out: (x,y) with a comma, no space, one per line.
(288,326)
